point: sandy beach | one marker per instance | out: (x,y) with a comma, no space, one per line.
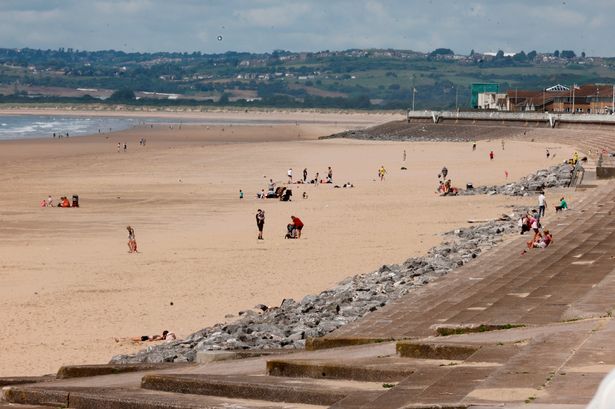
(68,286)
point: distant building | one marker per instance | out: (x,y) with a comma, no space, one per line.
(481,88)
(493,101)
(588,99)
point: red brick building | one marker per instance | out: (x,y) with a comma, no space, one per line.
(589,99)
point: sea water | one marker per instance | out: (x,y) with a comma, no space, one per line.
(41,126)
(44,126)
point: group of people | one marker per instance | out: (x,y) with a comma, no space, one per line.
(530,222)
(445,187)
(63,202)
(316,180)
(60,135)
(293,229)
(274,192)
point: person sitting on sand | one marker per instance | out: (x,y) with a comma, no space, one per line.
(132,241)
(305,195)
(298,224)
(166,336)
(261,194)
(562,205)
(64,202)
(440,189)
(291,232)
(49,201)
(271,187)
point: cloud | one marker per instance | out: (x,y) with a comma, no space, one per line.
(265,25)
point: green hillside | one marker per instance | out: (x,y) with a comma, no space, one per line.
(364,79)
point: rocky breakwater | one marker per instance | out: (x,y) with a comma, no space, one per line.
(556,176)
(290,324)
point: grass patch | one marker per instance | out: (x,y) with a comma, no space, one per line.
(446,331)
(388,385)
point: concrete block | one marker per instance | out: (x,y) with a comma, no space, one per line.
(203,357)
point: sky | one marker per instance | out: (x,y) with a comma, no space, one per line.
(266,25)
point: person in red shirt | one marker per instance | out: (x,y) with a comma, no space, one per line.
(491,155)
(298,225)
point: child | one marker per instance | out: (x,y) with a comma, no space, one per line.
(132,242)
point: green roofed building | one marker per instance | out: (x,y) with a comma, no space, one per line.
(479,88)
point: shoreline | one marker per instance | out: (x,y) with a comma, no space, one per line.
(190,112)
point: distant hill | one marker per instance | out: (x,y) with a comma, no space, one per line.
(356,78)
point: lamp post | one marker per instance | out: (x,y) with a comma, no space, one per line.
(413,93)
(544,104)
(456,95)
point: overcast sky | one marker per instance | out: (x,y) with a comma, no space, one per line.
(265,25)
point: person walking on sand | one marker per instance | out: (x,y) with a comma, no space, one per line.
(548,154)
(473,146)
(381,172)
(125,147)
(298,225)
(329,175)
(404,155)
(119,147)
(491,155)
(290,175)
(260,222)
(542,204)
(316,180)
(132,241)
(304,175)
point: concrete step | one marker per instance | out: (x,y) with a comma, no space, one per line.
(267,388)
(132,398)
(81,371)
(385,369)
(16,406)
(23,380)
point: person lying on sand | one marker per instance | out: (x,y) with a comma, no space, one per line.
(166,336)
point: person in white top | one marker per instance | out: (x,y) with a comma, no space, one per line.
(542,204)
(290,175)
